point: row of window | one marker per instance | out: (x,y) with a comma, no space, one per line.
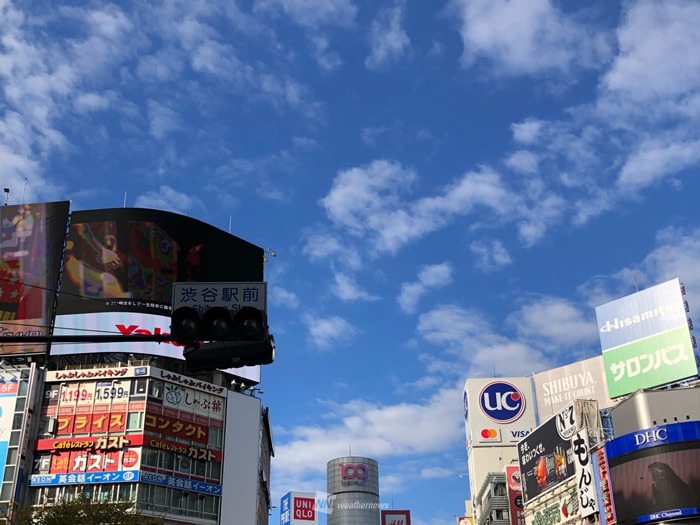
(153,499)
(177,463)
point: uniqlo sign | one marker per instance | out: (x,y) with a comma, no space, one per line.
(304,509)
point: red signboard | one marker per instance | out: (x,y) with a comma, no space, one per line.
(605,490)
(515,495)
(98,423)
(93,442)
(304,509)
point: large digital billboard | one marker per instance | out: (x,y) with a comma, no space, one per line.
(645,339)
(498,411)
(120,267)
(546,456)
(30,257)
(655,473)
(558,387)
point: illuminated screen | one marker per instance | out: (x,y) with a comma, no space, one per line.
(655,480)
(30,258)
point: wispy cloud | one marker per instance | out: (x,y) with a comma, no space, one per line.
(388,39)
(327,332)
(430,277)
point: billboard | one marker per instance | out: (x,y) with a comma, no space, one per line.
(561,508)
(31,244)
(558,387)
(298,508)
(498,412)
(645,339)
(585,480)
(120,267)
(9,387)
(608,508)
(545,456)
(515,495)
(395,517)
(655,473)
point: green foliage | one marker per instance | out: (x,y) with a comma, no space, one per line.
(82,511)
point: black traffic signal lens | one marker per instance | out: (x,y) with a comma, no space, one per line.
(249,323)
(217,323)
(185,324)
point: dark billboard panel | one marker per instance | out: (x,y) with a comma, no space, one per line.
(127,259)
(655,473)
(545,456)
(120,267)
(30,258)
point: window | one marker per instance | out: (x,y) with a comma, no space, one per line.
(167,460)
(214,470)
(155,389)
(200,468)
(215,436)
(138,387)
(134,421)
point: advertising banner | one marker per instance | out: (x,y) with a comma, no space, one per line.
(212,489)
(608,509)
(30,258)
(545,456)
(645,339)
(122,476)
(655,473)
(9,386)
(395,517)
(587,498)
(515,495)
(120,267)
(498,412)
(657,360)
(558,387)
(559,509)
(176,427)
(193,401)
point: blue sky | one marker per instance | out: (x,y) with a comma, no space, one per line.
(450,187)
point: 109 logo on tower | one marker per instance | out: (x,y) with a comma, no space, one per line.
(502,402)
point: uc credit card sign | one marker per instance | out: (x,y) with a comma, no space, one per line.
(502,410)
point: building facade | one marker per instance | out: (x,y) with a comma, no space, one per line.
(353,486)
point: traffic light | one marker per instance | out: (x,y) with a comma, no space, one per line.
(219,338)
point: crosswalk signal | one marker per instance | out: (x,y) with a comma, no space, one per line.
(220,338)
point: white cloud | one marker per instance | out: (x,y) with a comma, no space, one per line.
(430,277)
(376,431)
(163,120)
(557,321)
(367,199)
(658,56)
(523,161)
(527,132)
(655,160)
(527,37)
(281,297)
(490,255)
(89,102)
(325,246)
(347,289)
(326,332)
(312,13)
(166,198)
(388,39)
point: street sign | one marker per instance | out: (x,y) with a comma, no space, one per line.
(232,296)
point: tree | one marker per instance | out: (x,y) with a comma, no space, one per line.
(81,510)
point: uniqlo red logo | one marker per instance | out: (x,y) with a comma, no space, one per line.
(304,509)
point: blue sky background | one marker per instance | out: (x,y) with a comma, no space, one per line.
(451,187)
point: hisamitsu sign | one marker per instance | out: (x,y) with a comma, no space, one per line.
(232,296)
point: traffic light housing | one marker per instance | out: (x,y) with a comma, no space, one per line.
(220,338)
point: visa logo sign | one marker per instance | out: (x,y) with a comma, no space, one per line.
(519,434)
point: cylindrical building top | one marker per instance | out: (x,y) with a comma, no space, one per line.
(353,474)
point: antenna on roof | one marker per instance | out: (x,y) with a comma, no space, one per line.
(636,285)
(125,199)
(230,218)
(23,189)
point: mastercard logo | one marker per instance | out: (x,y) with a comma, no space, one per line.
(489,433)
